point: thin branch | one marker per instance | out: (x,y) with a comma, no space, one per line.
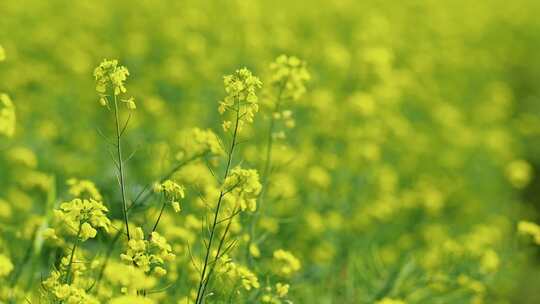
(121,167)
(110,250)
(145,194)
(229,217)
(218,255)
(68,271)
(159,217)
(193,259)
(202,285)
(125,125)
(131,156)
(266,170)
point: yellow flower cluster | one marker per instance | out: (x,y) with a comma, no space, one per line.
(149,255)
(172,191)
(237,273)
(475,286)
(7,116)
(289,75)
(2,53)
(65,293)
(78,187)
(385,192)
(198,142)
(286,264)
(241,98)
(127,278)
(241,274)
(243,187)
(23,156)
(277,295)
(83,216)
(531,229)
(111,76)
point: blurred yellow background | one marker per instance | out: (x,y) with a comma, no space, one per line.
(410,160)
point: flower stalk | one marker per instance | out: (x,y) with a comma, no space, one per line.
(204,279)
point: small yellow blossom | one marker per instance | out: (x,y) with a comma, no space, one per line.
(489,261)
(111,77)
(88,214)
(5,266)
(290,75)
(241,98)
(282,289)
(530,228)
(254,250)
(148,254)
(78,187)
(286,263)
(87,231)
(7,116)
(243,186)
(519,173)
(172,191)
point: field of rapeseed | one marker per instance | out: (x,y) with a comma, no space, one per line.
(269,151)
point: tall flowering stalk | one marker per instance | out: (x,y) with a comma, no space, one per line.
(110,78)
(289,75)
(81,219)
(288,83)
(241,103)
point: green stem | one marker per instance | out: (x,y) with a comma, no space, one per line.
(68,271)
(121,166)
(218,252)
(159,217)
(201,290)
(145,193)
(266,171)
(110,250)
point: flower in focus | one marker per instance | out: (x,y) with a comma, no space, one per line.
(243,186)
(172,191)
(149,255)
(241,97)
(88,214)
(111,76)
